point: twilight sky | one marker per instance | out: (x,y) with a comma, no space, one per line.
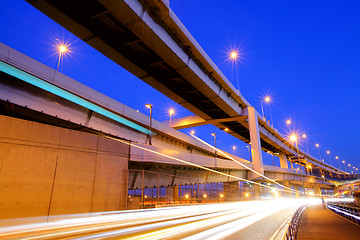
(304,54)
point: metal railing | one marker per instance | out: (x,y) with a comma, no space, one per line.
(291,232)
(350,213)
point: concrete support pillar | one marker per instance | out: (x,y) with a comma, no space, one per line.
(336,190)
(257,191)
(175,193)
(317,190)
(256,154)
(283,161)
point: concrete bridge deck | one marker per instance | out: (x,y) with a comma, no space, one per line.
(317,222)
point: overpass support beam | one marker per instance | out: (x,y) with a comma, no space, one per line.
(256,154)
(283,161)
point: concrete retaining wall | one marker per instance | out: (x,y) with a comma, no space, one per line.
(47,170)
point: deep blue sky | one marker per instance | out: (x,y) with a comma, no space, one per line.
(305,54)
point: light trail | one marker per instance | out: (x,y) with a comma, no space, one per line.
(206,221)
(243,165)
(206,168)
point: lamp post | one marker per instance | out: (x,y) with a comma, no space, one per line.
(337,158)
(345,165)
(150,123)
(318,147)
(328,152)
(266,100)
(234,147)
(288,123)
(214,135)
(307,148)
(235,56)
(349,165)
(61,49)
(249,148)
(294,138)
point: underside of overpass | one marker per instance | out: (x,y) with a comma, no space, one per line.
(121,35)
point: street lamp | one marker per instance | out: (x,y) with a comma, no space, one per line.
(328,152)
(294,138)
(337,158)
(345,165)
(150,124)
(266,100)
(234,147)
(318,147)
(234,56)
(62,49)
(307,148)
(249,148)
(171,112)
(288,122)
(214,135)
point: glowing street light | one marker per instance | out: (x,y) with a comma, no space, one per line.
(186,196)
(318,147)
(205,195)
(214,135)
(234,56)
(233,148)
(150,133)
(192,132)
(62,49)
(171,112)
(221,195)
(288,123)
(266,100)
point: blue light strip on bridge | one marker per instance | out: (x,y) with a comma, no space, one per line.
(67,95)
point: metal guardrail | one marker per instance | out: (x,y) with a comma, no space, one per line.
(350,213)
(291,232)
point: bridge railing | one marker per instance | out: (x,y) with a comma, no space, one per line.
(351,213)
(291,232)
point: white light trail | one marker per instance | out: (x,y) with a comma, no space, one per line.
(243,165)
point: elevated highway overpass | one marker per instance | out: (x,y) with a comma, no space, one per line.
(147,39)
(69,149)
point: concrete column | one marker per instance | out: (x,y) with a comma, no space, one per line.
(257,191)
(256,154)
(175,193)
(317,190)
(336,189)
(283,161)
